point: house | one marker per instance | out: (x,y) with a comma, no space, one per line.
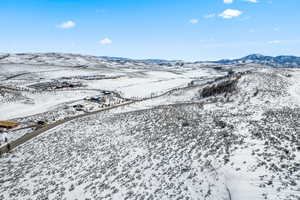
(9,124)
(97,99)
(106,92)
(78,107)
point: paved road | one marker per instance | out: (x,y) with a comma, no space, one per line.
(13,144)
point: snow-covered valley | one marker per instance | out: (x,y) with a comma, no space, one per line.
(183,130)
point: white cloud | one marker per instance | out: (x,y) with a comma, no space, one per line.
(283,41)
(252,1)
(274,42)
(105,41)
(230,13)
(210,16)
(228,1)
(193,21)
(68,24)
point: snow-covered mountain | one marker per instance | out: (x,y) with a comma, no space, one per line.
(278,61)
(56,59)
(77,60)
(141,60)
(64,59)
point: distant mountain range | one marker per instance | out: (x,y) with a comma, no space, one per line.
(141,60)
(278,61)
(65,59)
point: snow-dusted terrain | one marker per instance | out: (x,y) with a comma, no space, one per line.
(194,131)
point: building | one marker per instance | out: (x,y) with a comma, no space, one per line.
(9,124)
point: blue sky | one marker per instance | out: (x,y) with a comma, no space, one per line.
(170,29)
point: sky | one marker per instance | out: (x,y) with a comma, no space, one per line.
(168,29)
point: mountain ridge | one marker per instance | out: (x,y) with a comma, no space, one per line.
(39,58)
(149,60)
(277,61)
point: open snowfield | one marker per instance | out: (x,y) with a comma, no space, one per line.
(42,103)
(232,137)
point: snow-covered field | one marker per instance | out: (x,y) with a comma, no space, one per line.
(234,138)
(41,103)
(131,82)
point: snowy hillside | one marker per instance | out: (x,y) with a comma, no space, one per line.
(142,130)
(278,61)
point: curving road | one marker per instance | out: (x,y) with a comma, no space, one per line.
(13,144)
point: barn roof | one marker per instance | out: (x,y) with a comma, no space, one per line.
(9,124)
